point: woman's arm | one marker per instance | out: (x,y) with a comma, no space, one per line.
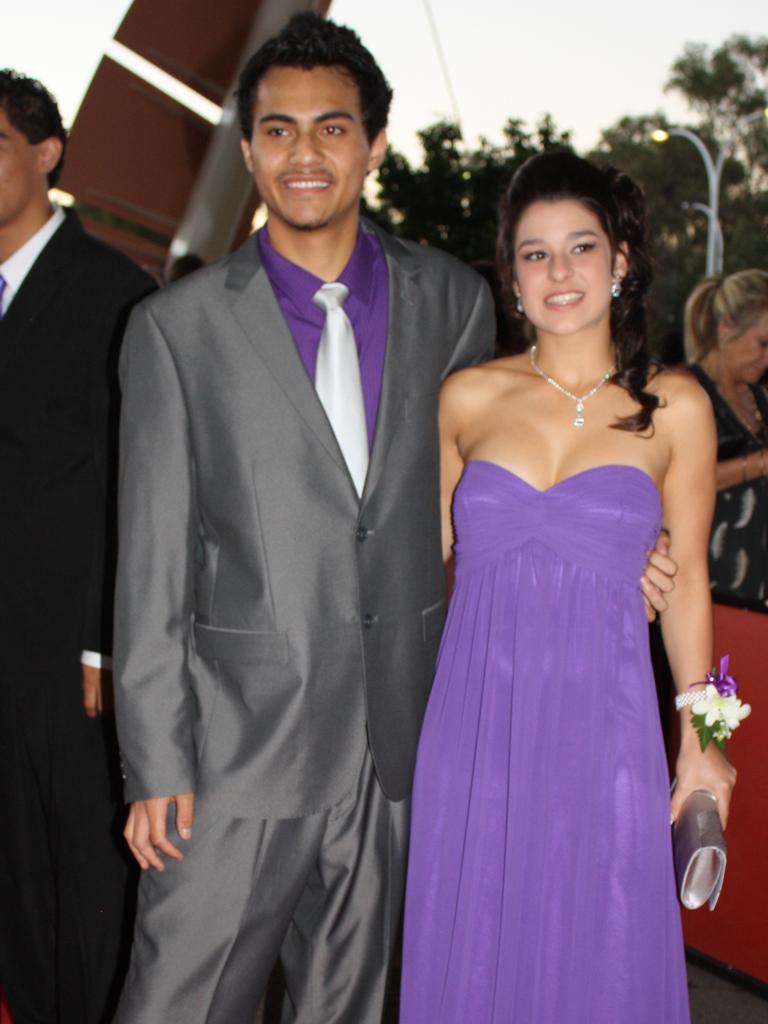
(688,497)
(452,402)
(742,469)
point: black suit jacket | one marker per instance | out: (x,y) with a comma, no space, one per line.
(58,416)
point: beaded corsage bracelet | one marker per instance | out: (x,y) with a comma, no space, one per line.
(716,710)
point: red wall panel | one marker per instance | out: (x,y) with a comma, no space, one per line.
(736,932)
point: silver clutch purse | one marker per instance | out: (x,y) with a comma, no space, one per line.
(700,851)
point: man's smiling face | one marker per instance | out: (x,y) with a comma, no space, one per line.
(309,153)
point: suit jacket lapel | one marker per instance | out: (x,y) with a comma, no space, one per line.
(401,348)
(258,315)
(41,283)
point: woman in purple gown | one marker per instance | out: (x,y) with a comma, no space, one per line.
(541,886)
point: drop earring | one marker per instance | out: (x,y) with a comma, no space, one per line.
(519,306)
(615,288)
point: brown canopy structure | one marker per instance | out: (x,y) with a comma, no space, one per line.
(150,175)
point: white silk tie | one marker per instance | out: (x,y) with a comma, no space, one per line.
(337,381)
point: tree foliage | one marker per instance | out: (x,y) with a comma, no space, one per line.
(724,85)
(725,88)
(450,198)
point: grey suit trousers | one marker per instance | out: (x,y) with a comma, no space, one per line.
(323,892)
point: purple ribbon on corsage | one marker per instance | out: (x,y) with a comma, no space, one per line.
(716,710)
(724,684)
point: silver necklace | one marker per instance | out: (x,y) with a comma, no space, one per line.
(578,399)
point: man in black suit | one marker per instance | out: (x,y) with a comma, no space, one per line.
(64,298)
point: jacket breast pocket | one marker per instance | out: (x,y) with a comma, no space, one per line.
(217,643)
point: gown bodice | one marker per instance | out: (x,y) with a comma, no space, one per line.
(605,519)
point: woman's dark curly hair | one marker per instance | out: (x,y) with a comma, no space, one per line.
(619,205)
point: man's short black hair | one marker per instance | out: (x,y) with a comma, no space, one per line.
(33,111)
(310,41)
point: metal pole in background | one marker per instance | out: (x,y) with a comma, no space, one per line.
(443,63)
(714,169)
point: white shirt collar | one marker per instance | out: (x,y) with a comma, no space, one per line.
(16,267)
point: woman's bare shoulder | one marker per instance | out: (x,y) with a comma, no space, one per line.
(684,405)
(677,386)
(482,383)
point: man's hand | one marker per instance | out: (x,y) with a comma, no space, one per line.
(97,691)
(659,577)
(145,830)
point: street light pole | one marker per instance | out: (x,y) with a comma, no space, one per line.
(714,174)
(703,208)
(714,169)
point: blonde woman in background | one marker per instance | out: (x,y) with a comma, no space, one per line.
(726,344)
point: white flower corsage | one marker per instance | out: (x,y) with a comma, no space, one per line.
(716,711)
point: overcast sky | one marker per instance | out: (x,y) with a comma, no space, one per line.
(585,63)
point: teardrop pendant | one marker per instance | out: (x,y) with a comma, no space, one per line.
(578,399)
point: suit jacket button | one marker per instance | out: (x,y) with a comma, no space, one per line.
(368,620)
(361,533)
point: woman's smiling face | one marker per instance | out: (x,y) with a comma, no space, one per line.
(564,266)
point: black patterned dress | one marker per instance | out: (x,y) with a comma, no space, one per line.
(738,547)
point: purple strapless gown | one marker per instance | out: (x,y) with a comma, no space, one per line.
(540,886)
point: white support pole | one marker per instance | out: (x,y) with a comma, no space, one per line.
(217,202)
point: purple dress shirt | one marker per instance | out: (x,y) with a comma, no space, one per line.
(367,307)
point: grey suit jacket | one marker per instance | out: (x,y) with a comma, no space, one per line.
(267,620)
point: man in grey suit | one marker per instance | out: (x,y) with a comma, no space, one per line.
(276,630)
(280,585)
